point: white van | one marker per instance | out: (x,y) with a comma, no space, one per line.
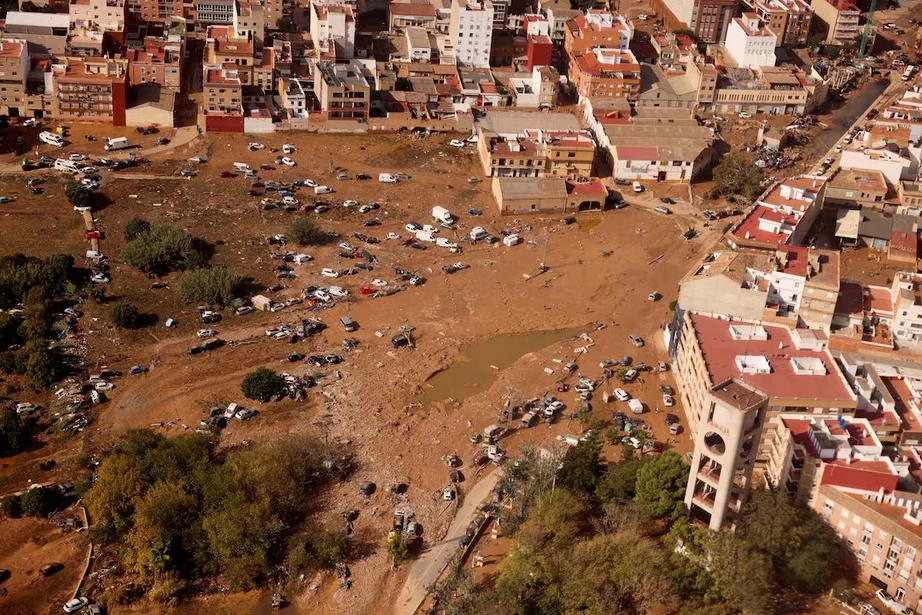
(425,236)
(322,190)
(242,167)
(442,215)
(478,233)
(117,143)
(387,178)
(51,139)
(511,240)
(66,165)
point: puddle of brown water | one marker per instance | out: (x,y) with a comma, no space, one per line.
(482,361)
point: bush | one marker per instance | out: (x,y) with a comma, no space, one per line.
(125,316)
(13,434)
(304,231)
(136,227)
(41,502)
(735,174)
(79,195)
(262,384)
(162,249)
(213,285)
(397,548)
(329,548)
(11,506)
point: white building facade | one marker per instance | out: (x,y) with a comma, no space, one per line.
(750,43)
(471,31)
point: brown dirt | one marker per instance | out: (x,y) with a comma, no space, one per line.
(366,400)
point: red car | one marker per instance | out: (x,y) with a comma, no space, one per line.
(95,235)
(368,290)
(228,174)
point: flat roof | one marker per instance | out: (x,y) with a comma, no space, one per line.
(721,353)
(859,179)
(533,188)
(50,20)
(517,122)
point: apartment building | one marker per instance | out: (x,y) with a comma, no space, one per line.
(157,62)
(906,295)
(343,90)
(605,73)
(98,15)
(212,12)
(790,20)
(14,70)
(471,32)
(557,19)
(333,26)
(781,216)
(708,19)
(46,33)
(792,368)
(91,90)
(857,188)
(223,91)
(772,90)
(840,20)
(411,14)
(597,28)
(884,531)
(750,42)
(249,22)
(537,153)
(294,99)
(156,10)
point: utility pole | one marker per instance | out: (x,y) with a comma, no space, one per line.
(542,266)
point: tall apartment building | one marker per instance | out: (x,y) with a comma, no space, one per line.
(155,10)
(223,91)
(214,12)
(906,294)
(840,20)
(750,42)
(14,69)
(605,73)
(91,89)
(157,62)
(708,19)
(597,28)
(789,19)
(343,90)
(249,22)
(792,368)
(471,32)
(333,29)
(98,15)
(538,153)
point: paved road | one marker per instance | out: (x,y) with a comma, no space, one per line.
(426,570)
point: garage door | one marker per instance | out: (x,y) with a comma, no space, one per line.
(877,583)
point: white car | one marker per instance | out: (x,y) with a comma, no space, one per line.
(100,278)
(197,159)
(637,187)
(103,386)
(379,282)
(364,209)
(288,162)
(890,603)
(276,307)
(621,395)
(348,247)
(75,157)
(643,17)
(309,183)
(457,143)
(744,115)
(412,227)
(244,414)
(338,291)
(387,178)
(350,203)
(290,200)
(256,146)
(329,273)
(322,295)
(206,333)
(92,184)
(288,149)
(393,236)
(444,242)
(473,139)
(668,401)
(75,605)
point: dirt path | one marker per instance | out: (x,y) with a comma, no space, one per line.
(426,570)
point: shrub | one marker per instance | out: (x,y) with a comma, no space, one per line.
(125,316)
(136,227)
(79,195)
(329,548)
(41,502)
(262,384)
(11,506)
(305,232)
(162,249)
(213,285)
(397,548)
(13,434)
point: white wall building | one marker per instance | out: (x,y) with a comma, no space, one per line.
(97,15)
(419,48)
(894,165)
(750,43)
(333,23)
(250,23)
(471,31)
(214,11)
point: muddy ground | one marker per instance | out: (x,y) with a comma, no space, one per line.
(601,271)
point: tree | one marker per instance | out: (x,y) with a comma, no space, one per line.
(162,249)
(397,548)
(285,24)
(661,485)
(79,195)
(36,317)
(305,232)
(217,285)
(735,174)
(11,506)
(619,483)
(261,384)
(125,316)
(135,228)
(41,502)
(41,366)
(13,434)
(743,575)
(581,467)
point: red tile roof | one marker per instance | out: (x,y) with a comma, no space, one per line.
(637,153)
(858,476)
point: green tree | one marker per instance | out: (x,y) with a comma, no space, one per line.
(397,548)
(41,365)
(135,228)
(79,195)
(14,436)
(217,285)
(305,232)
(619,483)
(582,466)
(285,24)
(162,249)
(36,320)
(261,384)
(41,502)
(11,506)
(735,174)
(124,315)
(743,575)
(661,485)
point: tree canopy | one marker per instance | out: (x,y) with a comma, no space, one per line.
(660,486)
(161,249)
(305,232)
(124,315)
(218,285)
(735,174)
(261,384)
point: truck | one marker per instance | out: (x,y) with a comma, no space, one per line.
(441,214)
(51,139)
(635,405)
(117,143)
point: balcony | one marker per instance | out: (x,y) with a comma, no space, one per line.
(704,500)
(710,475)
